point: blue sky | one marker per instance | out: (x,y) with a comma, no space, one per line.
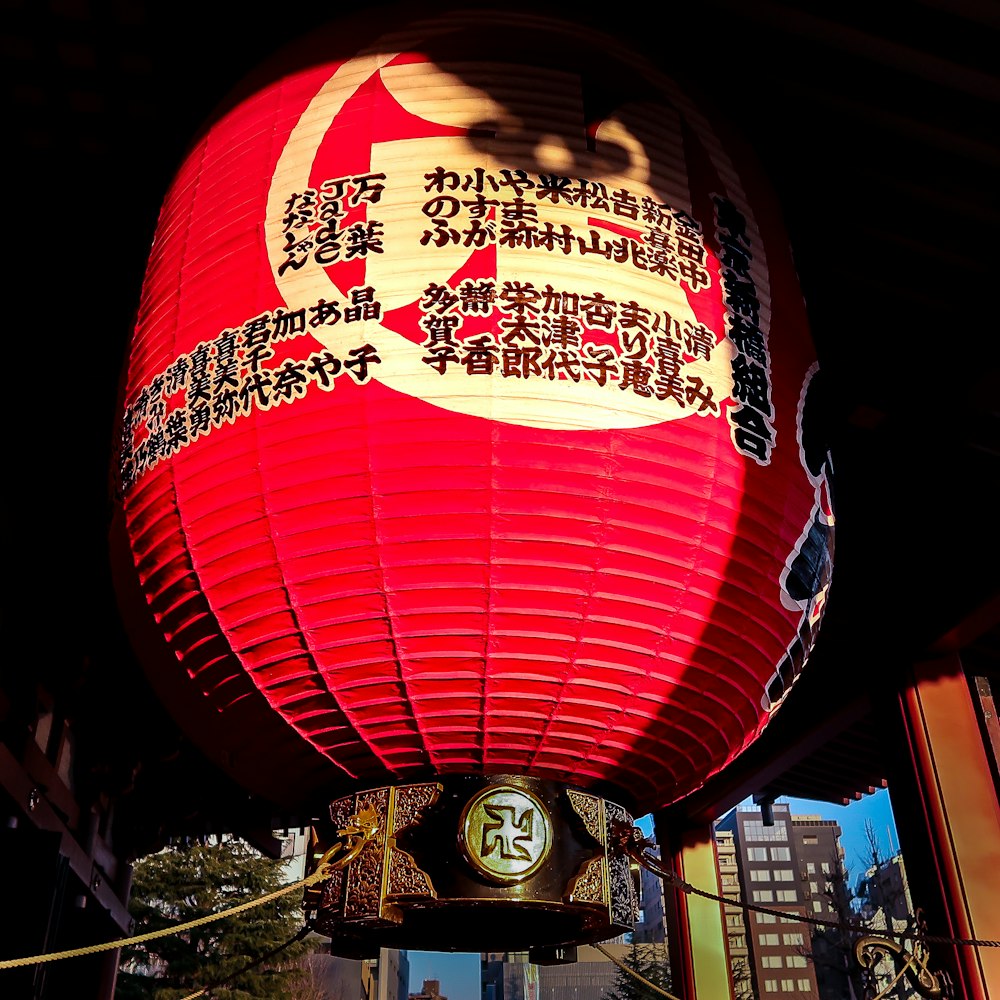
(459,971)
(876,807)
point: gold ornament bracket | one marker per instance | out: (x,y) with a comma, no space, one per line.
(872,950)
(359,829)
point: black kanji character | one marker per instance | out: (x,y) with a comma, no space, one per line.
(480,357)
(599,363)
(291,379)
(361,358)
(750,384)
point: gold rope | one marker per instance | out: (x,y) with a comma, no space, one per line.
(358,831)
(621,965)
(12,963)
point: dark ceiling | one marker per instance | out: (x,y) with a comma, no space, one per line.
(877,124)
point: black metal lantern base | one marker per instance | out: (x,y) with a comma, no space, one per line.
(473,863)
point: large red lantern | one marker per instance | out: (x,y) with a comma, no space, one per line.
(465,428)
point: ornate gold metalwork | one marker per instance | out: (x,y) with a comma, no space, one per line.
(356,832)
(872,950)
(404,878)
(589,886)
(592,883)
(364,895)
(449,858)
(623,888)
(588,808)
(506,833)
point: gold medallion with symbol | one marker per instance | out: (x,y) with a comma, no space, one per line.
(506,833)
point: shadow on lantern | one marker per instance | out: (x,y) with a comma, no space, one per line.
(464,477)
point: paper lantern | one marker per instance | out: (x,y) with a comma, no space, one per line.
(465,424)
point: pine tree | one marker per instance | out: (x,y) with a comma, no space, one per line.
(649,961)
(179,885)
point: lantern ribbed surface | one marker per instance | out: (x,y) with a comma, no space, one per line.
(463,426)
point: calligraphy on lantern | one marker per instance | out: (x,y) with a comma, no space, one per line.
(539,333)
(478,326)
(481,208)
(750,421)
(227,378)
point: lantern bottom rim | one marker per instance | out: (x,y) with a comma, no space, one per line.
(471,863)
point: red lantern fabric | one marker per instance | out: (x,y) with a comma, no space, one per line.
(465,424)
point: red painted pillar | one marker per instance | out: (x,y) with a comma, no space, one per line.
(958,799)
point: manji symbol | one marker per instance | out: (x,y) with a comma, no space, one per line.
(506,833)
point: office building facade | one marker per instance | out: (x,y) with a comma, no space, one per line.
(771,851)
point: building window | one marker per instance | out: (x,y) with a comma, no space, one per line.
(734,920)
(791,938)
(738,941)
(770,961)
(783,875)
(804,985)
(826,868)
(787,986)
(814,887)
(795,961)
(781,854)
(811,839)
(770,985)
(754,829)
(756,854)
(760,875)
(810,867)
(763,896)
(771,939)
(786,896)
(766,918)
(817,906)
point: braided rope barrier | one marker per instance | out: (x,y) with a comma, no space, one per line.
(673,879)
(317,876)
(355,834)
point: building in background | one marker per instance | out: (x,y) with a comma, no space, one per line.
(820,863)
(383,978)
(772,850)
(736,929)
(392,973)
(884,892)
(431,991)
(886,907)
(510,976)
(651,926)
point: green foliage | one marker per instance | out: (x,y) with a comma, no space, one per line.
(649,961)
(179,885)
